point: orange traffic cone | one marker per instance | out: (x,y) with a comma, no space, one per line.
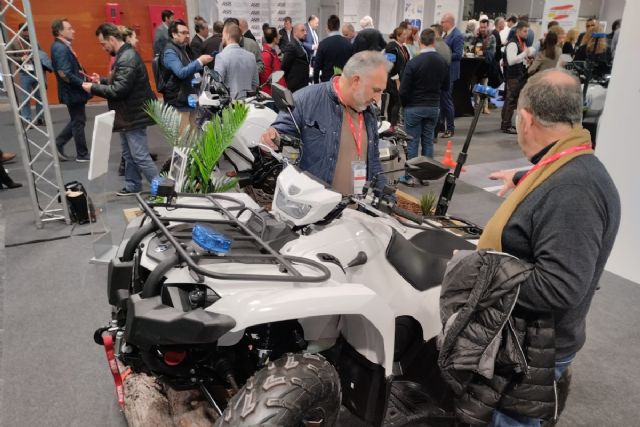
(447,160)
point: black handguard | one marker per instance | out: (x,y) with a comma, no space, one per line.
(290,141)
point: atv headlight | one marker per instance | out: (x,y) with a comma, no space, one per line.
(292,208)
(210,240)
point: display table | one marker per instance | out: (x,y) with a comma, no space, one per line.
(462,88)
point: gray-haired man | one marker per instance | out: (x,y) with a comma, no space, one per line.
(562,217)
(338,124)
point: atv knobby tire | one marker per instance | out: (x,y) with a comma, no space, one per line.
(295,390)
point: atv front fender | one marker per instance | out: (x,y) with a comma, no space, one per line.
(367,321)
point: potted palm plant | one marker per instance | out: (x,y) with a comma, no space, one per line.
(203,146)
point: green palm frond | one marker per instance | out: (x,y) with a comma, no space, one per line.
(205,146)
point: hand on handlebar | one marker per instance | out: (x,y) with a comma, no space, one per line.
(506,176)
(269,138)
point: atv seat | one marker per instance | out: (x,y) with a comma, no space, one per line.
(422,261)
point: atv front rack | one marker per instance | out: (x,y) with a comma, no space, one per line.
(193,258)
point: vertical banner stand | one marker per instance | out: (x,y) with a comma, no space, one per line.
(103,248)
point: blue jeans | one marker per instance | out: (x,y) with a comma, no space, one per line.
(137,161)
(446,105)
(500,419)
(28,84)
(420,123)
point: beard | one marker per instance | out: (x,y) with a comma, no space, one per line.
(359,99)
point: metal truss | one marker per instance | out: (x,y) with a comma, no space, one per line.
(20,58)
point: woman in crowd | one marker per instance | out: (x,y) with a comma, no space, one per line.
(548,56)
(570,42)
(396,47)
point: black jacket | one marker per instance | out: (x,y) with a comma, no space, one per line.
(127,90)
(334,51)
(425,76)
(284,39)
(295,64)
(368,39)
(493,353)
(196,46)
(212,44)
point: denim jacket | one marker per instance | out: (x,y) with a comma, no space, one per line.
(319,115)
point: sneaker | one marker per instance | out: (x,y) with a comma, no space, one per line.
(510,130)
(83,159)
(447,134)
(125,192)
(61,154)
(407,180)
(40,122)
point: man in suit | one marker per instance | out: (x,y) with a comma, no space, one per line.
(202,33)
(236,66)
(311,40)
(334,51)
(70,76)
(161,36)
(295,61)
(244,27)
(455,40)
(286,33)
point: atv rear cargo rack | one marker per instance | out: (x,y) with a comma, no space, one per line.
(242,232)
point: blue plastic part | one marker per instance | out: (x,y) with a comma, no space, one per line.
(192,101)
(155,183)
(391,57)
(210,240)
(485,90)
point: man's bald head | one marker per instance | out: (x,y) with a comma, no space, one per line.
(448,21)
(299,32)
(553,97)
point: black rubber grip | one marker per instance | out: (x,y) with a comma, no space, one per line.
(418,219)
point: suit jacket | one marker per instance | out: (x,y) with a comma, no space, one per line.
(309,40)
(196,46)
(285,39)
(67,70)
(455,41)
(238,70)
(160,38)
(212,44)
(295,64)
(334,51)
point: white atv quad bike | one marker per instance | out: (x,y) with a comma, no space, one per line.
(279,317)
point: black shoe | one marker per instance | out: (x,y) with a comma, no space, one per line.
(10,185)
(83,159)
(154,156)
(125,192)
(40,122)
(61,154)
(510,130)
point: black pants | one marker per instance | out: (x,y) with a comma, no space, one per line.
(75,129)
(513,88)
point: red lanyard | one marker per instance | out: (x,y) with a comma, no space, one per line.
(522,44)
(356,137)
(555,157)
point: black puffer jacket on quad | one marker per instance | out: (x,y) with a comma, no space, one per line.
(493,354)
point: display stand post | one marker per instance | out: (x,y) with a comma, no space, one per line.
(103,248)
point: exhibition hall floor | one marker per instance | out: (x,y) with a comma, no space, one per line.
(52,299)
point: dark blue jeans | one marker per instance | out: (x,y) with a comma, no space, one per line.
(501,419)
(420,123)
(28,84)
(137,161)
